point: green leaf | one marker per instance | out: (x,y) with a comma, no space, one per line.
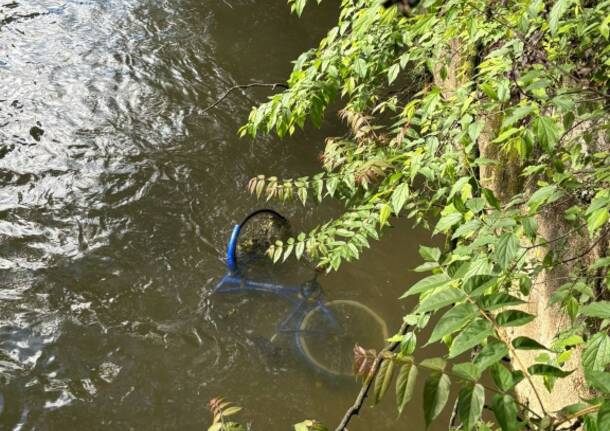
(603,416)
(454,319)
(530,226)
(470,405)
(600,263)
(446,222)
(458,186)
(517,114)
(604,30)
(467,371)
(437,364)
(393,72)
(559,8)
(547,371)
(408,343)
(466,229)
(310,425)
(568,341)
(383,380)
(360,67)
(506,249)
(514,318)
(299,249)
(599,309)
(475,205)
(505,135)
(598,380)
(526,343)
(479,284)
(472,335)
(542,195)
(231,411)
(428,283)
(440,298)
(405,385)
(436,394)
(384,214)
(546,132)
(491,198)
(426,267)
(499,300)
(590,422)
(597,219)
(490,354)
(430,254)
(298,6)
(502,377)
(277,254)
(399,197)
(596,355)
(503,92)
(474,130)
(477,267)
(227,426)
(505,409)
(488,89)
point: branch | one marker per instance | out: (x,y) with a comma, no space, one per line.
(501,336)
(355,408)
(589,409)
(558,238)
(453,426)
(588,250)
(273,86)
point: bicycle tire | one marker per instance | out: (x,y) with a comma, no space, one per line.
(301,341)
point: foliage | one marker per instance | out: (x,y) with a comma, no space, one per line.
(310,425)
(535,90)
(221,410)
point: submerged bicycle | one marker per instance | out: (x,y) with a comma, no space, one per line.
(324,333)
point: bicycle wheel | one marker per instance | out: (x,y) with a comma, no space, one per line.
(327,342)
(258,232)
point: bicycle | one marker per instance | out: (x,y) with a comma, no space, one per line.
(310,315)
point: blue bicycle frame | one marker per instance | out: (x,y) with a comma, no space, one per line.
(304,298)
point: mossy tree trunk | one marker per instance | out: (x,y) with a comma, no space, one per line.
(504,179)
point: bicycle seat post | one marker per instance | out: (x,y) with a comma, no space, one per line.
(311,290)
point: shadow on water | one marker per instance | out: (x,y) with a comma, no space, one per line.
(117,195)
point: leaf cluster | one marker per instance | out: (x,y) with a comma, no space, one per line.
(532,91)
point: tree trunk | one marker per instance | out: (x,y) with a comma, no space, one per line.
(504,180)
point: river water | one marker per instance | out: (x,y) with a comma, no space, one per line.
(117,194)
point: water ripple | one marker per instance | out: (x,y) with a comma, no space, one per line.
(116,197)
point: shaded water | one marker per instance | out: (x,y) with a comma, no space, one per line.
(117,193)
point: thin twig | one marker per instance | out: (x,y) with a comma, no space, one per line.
(368,381)
(588,250)
(454,415)
(559,238)
(513,352)
(589,409)
(273,86)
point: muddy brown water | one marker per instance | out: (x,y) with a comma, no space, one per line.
(117,195)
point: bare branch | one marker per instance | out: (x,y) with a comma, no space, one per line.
(368,382)
(588,250)
(272,85)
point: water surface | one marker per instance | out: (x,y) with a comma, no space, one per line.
(117,194)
